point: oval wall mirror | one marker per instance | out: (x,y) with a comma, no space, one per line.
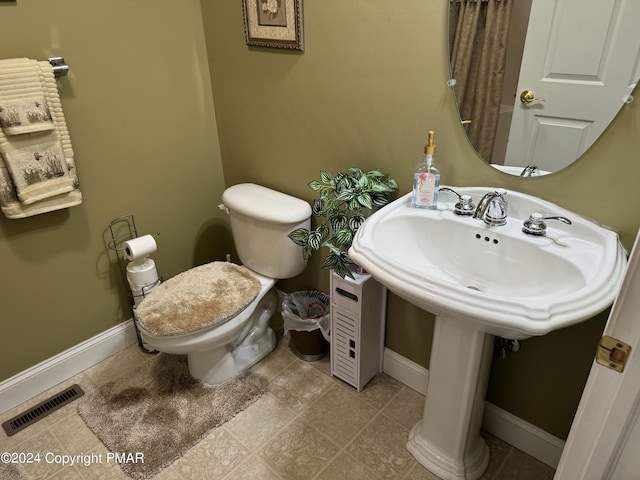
(536,82)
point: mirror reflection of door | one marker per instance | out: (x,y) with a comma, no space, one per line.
(582,60)
(581,57)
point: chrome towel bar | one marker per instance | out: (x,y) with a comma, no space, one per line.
(60,68)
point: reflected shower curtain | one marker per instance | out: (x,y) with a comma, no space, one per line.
(478,31)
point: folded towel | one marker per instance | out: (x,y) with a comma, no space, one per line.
(35,160)
(12,208)
(25,115)
(53,148)
(23,107)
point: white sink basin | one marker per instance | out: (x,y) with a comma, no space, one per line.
(482,281)
(510,284)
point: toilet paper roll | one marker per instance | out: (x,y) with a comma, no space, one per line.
(139,247)
(142,276)
(141,273)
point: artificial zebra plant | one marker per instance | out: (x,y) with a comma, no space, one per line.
(345,200)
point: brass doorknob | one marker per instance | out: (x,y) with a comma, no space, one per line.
(527,96)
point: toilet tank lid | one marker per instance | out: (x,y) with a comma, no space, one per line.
(265,204)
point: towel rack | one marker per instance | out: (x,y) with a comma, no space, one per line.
(59,66)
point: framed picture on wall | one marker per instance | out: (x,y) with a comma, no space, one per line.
(273,23)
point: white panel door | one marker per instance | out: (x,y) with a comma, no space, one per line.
(604,441)
(581,57)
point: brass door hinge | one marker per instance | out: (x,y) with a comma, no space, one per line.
(612,353)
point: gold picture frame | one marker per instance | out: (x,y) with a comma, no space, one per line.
(273,23)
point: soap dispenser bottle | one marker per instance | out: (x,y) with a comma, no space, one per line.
(426,178)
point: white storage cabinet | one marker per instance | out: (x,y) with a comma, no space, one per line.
(358,311)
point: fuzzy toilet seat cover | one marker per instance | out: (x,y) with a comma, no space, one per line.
(197,299)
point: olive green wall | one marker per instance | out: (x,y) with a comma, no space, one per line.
(139,108)
(370,84)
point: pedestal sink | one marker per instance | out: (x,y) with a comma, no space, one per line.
(482,281)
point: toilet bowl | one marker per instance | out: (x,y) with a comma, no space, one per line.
(261,219)
(219,353)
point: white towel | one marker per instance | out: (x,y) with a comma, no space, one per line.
(11,202)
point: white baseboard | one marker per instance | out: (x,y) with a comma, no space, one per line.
(59,368)
(404,370)
(532,440)
(526,437)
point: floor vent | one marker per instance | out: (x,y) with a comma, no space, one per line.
(31,416)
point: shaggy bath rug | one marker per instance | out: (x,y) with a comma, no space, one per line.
(10,471)
(160,411)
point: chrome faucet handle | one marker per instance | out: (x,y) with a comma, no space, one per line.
(492,208)
(465,206)
(536,225)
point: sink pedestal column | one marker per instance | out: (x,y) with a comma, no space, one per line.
(447,440)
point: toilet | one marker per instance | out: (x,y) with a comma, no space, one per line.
(196,313)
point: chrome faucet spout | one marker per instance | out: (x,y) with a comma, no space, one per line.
(483,204)
(492,208)
(529,171)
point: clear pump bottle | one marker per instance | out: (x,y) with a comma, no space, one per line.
(426,179)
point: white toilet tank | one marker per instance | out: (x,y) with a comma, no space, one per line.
(261,219)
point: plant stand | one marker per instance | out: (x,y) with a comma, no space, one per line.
(358,313)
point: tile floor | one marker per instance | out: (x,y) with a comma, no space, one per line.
(309,426)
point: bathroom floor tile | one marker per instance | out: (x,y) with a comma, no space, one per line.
(380,390)
(406,408)
(74,436)
(339,414)
(253,468)
(298,452)
(381,447)
(214,457)
(418,472)
(67,474)
(309,425)
(499,452)
(299,385)
(167,474)
(42,444)
(523,467)
(323,365)
(102,471)
(274,363)
(347,467)
(257,424)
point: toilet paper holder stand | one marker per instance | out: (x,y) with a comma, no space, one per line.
(122,229)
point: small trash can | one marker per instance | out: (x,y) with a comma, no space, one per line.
(306,315)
